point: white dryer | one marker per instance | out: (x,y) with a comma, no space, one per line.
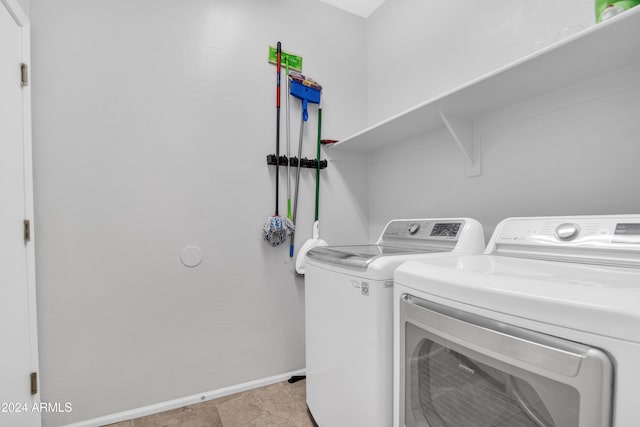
(349,321)
(543,329)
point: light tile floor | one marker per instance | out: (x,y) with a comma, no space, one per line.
(277,405)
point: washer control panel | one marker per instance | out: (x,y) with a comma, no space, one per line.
(412,230)
(444,229)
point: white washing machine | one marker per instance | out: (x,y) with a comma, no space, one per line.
(541,330)
(349,319)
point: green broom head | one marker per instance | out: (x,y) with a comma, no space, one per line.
(276,229)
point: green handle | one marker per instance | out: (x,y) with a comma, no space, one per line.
(318,162)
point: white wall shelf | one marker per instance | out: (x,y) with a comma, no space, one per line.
(605,47)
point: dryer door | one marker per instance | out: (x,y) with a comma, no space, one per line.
(463,370)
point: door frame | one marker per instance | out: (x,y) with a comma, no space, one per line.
(21,18)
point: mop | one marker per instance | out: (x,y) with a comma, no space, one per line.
(306,90)
(315,241)
(276,228)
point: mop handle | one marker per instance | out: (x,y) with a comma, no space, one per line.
(278,60)
(289,215)
(288,146)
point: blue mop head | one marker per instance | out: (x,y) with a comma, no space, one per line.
(276,229)
(306,90)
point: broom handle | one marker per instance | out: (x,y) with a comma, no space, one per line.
(295,197)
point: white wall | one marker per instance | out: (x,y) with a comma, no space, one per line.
(152,121)
(25,5)
(568,153)
(419,49)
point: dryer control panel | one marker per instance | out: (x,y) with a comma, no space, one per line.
(587,231)
(627,232)
(591,238)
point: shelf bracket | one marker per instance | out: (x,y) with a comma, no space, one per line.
(462,130)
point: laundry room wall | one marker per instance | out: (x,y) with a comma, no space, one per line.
(570,152)
(152,122)
(25,5)
(437,46)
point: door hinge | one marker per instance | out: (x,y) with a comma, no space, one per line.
(24,75)
(34,382)
(27,230)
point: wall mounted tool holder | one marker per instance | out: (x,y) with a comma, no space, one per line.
(293,162)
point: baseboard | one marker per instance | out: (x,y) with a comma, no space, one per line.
(184,401)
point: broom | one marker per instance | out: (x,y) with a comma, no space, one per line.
(306,90)
(276,228)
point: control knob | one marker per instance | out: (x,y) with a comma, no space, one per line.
(413,228)
(567,231)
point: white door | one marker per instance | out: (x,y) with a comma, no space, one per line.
(17,329)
